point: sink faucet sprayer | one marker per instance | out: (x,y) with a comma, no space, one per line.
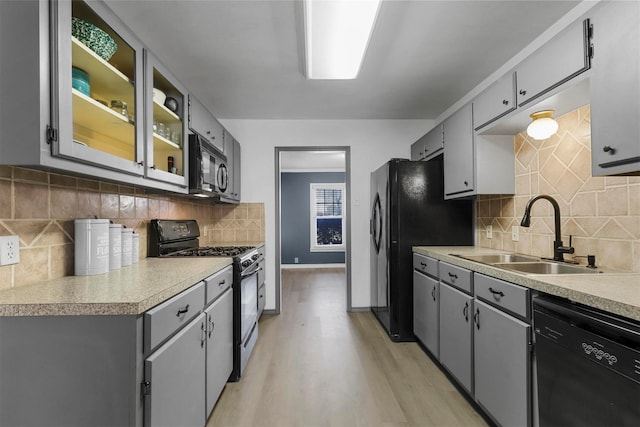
(558,249)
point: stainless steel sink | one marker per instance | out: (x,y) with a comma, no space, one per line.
(498,258)
(543,267)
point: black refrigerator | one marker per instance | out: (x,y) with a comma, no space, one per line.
(408,209)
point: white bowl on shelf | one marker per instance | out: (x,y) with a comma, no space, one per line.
(159,96)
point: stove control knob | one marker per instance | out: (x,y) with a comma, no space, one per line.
(254,257)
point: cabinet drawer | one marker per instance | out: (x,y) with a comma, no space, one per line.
(217,283)
(425,265)
(166,318)
(458,277)
(501,294)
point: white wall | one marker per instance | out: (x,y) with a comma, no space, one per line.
(372,143)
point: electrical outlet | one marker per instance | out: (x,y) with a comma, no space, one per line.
(489,231)
(515,233)
(295,260)
(9,250)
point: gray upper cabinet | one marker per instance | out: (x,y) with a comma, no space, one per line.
(63,123)
(560,59)
(429,145)
(459,173)
(165,128)
(236,171)
(202,122)
(476,164)
(615,88)
(456,339)
(106,114)
(233,151)
(496,101)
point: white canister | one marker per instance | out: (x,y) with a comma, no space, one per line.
(115,246)
(135,248)
(127,241)
(91,246)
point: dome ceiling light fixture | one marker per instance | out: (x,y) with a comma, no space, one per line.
(542,125)
(337,34)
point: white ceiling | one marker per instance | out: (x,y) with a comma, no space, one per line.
(242,59)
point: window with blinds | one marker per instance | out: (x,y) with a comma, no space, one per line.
(327,211)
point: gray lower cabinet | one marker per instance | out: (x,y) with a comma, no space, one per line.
(425,311)
(164,367)
(72,371)
(502,365)
(219,363)
(456,335)
(615,88)
(175,374)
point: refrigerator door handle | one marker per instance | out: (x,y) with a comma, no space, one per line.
(377,223)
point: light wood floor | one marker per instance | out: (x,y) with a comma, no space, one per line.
(317,365)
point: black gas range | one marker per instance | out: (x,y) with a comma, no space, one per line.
(180,238)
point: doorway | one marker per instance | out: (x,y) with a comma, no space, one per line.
(315,164)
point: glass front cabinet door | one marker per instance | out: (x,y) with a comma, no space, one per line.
(99,70)
(166,128)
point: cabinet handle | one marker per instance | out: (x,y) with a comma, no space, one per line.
(182,310)
(152,167)
(203,335)
(608,149)
(453,276)
(423,264)
(211,326)
(522,92)
(222,282)
(505,102)
(476,318)
(466,183)
(140,163)
(433,293)
(465,311)
(499,293)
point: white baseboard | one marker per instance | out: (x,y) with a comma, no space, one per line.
(310,266)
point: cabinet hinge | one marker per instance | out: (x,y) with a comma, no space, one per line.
(531,346)
(145,388)
(52,134)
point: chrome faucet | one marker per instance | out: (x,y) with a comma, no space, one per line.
(558,249)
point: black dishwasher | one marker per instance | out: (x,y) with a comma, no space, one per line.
(588,365)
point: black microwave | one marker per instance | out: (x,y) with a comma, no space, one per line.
(208,173)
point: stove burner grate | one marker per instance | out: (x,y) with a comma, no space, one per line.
(222,251)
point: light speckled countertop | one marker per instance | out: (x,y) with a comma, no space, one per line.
(614,292)
(130,290)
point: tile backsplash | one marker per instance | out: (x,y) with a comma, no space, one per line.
(601,213)
(40,208)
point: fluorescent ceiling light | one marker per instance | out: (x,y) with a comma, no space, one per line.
(337,33)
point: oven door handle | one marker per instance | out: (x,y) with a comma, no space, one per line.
(254,270)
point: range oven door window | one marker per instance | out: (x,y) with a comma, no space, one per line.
(248,303)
